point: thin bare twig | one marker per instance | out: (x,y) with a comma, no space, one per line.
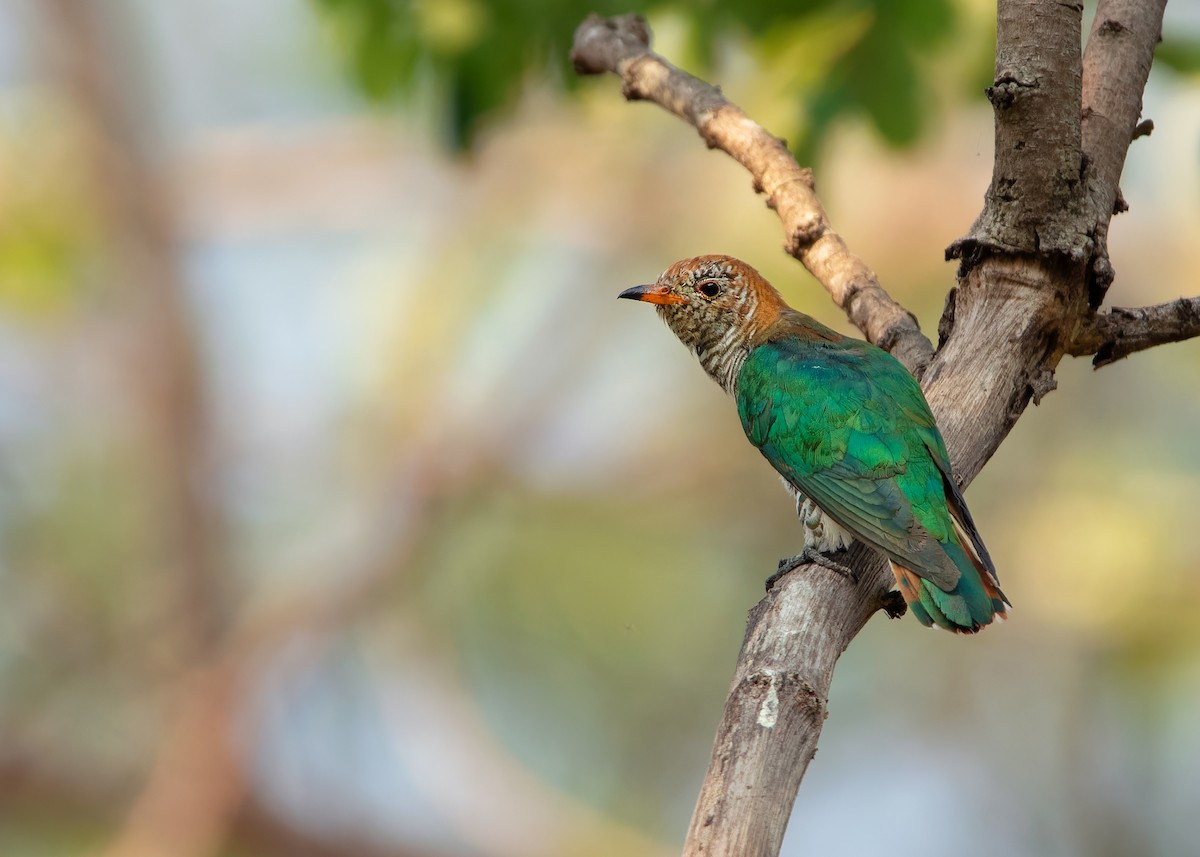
(622,46)
(1121,331)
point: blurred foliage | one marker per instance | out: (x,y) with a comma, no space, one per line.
(47,227)
(476,55)
(549,597)
(1179,55)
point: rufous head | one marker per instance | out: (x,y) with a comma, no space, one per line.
(716,305)
(702,298)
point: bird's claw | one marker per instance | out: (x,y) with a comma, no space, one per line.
(809,555)
(788,563)
(816,557)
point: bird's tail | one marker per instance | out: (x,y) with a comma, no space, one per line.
(976,598)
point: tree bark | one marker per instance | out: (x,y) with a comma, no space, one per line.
(1032,271)
(1033,201)
(1122,331)
(1116,65)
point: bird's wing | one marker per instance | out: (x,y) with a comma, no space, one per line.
(847,426)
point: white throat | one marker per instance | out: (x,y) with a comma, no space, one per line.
(723,361)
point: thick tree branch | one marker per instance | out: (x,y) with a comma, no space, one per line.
(1121,331)
(622,46)
(1033,202)
(1116,65)
(777,704)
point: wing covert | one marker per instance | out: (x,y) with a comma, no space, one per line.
(836,432)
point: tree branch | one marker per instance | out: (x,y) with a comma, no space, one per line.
(777,704)
(1116,65)
(622,46)
(1033,202)
(1122,331)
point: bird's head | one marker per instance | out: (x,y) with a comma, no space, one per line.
(712,303)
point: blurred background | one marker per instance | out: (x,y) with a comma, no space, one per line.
(344,511)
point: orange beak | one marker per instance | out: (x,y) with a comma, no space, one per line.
(654,294)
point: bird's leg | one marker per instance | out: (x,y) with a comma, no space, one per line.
(809,555)
(821,537)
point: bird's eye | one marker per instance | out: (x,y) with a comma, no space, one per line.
(709,288)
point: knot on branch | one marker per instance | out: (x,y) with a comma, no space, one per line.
(804,235)
(970,252)
(1006,90)
(601,43)
(1120,205)
(1041,384)
(889,338)
(1101,276)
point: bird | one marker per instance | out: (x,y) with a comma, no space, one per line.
(847,428)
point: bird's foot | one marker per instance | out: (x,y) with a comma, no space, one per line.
(809,555)
(817,558)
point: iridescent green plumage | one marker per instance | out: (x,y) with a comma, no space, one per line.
(846,426)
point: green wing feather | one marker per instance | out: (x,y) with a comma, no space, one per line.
(848,427)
